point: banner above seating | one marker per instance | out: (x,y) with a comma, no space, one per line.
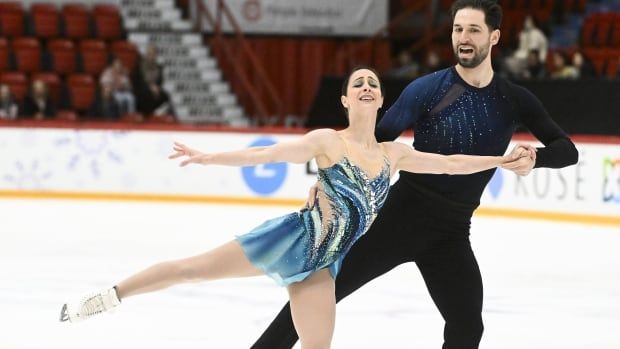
(301,17)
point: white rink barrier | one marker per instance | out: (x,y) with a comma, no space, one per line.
(83,163)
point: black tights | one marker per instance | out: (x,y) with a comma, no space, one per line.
(411,227)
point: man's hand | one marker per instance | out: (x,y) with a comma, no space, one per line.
(312,196)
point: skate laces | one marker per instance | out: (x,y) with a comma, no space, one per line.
(92,305)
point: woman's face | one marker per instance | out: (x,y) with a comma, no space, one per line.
(363,91)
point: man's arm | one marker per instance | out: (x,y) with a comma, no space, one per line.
(559,151)
(404,112)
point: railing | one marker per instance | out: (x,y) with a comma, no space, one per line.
(348,55)
(266,111)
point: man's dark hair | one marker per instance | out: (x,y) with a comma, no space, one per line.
(492,11)
(345,84)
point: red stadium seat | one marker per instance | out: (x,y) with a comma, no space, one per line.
(10,5)
(66,115)
(598,57)
(132,117)
(587,31)
(126,52)
(27,52)
(94,56)
(603,28)
(45,20)
(542,11)
(580,6)
(63,56)
(512,24)
(4,55)
(82,89)
(613,63)
(76,19)
(542,5)
(108,22)
(614,39)
(18,84)
(53,84)
(11,19)
(518,4)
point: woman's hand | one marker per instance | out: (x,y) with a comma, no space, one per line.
(193,156)
(521,159)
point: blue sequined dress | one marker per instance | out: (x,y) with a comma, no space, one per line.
(291,247)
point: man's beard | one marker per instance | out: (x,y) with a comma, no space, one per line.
(479,56)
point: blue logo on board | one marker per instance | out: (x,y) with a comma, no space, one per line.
(267,178)
(496,183)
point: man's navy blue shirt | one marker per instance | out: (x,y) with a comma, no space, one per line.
(449,116)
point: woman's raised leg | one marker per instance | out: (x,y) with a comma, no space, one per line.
(225,261)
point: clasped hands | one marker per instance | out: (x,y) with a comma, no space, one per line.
(521,159)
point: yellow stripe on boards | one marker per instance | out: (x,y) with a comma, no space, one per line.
(582,218)
(99,196)
(483,211)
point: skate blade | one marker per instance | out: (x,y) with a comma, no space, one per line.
(64,314)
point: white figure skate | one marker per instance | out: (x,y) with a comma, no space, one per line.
(90,305)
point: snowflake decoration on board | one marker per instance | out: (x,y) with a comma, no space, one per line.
(92,150)
(28,177)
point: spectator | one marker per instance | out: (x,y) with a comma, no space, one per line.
(534,69)
(38,104)
(530,38)
(583,66)
(157,102)
(405,67)
(117,78)
(561,70)
(105,107)
(150,70)
(8,107)
(432,62)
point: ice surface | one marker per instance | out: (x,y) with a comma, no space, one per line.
(547,285)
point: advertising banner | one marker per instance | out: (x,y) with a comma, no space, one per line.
(136,162)
(592,186)
(300,17)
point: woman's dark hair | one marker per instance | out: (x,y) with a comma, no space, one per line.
(492,11)
(345,84)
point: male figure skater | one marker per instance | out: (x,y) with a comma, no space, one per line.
(465,109)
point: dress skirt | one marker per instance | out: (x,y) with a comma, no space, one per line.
(283,249)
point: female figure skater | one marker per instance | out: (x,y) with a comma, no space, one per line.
(304,250)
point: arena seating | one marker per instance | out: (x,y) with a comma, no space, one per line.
(45,19)
(600,39)
(66,45)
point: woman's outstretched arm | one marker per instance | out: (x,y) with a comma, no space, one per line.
(311,145)
(411,160)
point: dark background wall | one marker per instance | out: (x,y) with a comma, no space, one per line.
(579,107)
